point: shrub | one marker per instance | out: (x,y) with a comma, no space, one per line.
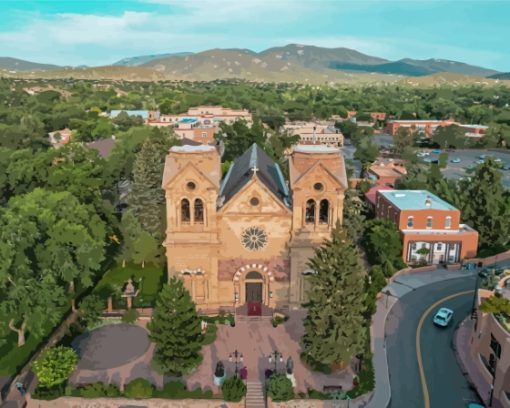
(98,390)
(279,388)
(130,316)
(55,366)
(177,390)
(233,389)
(210,335)
(51,393)
(139,388)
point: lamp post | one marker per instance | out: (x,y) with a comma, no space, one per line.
(388,294)
(236,358)
(275,356)
(475,296)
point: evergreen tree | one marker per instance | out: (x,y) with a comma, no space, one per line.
(383,245)
(354,219)
(147,198)
(487,208)
(175,328)
(334,325)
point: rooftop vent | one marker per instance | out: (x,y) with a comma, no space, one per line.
(428,201)
(400,195)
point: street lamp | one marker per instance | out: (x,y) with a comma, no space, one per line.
(275,357)
(388,293)
(236,358)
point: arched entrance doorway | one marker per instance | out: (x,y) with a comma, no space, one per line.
(254,283)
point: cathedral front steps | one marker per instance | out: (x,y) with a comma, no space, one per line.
(255,397)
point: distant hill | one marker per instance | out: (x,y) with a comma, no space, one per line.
(15,64)
(291,63)
(501,75)
(412,67)
(144,59)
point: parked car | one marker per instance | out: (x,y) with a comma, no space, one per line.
(436,151)
(455,160)
(482,156)
(427,160)
(443,317)
(506,167)
(474,405)
(480,161)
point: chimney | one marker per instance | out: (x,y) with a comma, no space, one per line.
(428,201)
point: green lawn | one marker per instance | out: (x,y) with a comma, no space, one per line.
(12,357)
(151,283)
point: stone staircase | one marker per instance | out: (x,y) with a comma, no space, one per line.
(255,397)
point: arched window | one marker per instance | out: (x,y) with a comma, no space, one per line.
(310,212)
(254,275)
(185,211)
(199,211)
(324,212)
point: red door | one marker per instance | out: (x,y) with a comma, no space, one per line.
(254,298)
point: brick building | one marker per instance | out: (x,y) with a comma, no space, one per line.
(428,127)
(430,227)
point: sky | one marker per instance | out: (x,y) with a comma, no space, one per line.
(101,32)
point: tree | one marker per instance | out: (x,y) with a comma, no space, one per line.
(487,206)
(124,121)
(403,138)
(449,136)
(238,137)
(130,230)
(91,309)
(139,388)
(383,245)
(366,151)
(354,219)
(55,235)
(55,366)
(147,198)
(334,325)
(496,305)
(176,329)
(145,249)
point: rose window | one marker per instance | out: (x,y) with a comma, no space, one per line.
(254,238)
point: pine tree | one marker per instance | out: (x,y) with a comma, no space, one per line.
(175,328)
(335,326)
(354,219)
(147,198)
(487,207)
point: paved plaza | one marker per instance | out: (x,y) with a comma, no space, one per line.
(256,339)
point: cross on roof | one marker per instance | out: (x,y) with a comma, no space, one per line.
(254,169)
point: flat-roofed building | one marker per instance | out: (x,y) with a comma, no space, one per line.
(430,227)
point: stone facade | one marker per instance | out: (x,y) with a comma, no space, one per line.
(248,237)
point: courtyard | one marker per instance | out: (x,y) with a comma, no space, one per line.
(119,353)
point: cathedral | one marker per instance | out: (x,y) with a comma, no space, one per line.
(244,240)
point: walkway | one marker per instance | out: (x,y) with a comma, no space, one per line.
(461,344)
(256,339)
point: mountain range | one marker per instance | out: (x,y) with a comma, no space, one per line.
(290,63)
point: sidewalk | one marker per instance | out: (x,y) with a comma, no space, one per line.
(461,341)
(401,286)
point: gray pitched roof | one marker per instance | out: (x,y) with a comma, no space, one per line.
(242,170)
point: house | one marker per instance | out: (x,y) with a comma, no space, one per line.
(59,138)
(315,133)
(430,227)
(144,114)
(103,146)
(428,127)
(244,240)
(386,172)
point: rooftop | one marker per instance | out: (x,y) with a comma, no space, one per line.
(416,200)
(143,113)
(188,120)
(315,149)
(192,149)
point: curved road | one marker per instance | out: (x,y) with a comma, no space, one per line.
(446,385)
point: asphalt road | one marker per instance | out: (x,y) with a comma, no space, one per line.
(445,382)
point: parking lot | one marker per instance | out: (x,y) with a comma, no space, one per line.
(469,158)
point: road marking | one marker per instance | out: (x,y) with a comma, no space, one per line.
(425,390)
